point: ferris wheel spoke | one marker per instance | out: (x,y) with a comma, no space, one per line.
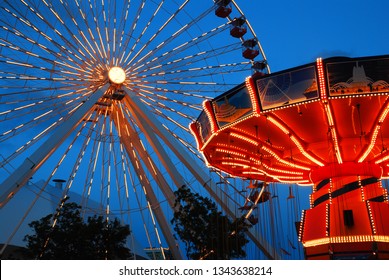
(27,145)
(203,55)
(39,104)
(131,139)
(175,35)
(184,62)
(35,122)
(42,113)
(100,33)
(117,30)
(152,203)
(119,177)
(124,187)
(34,93)
(132,28)
(94,156)
(167,108)
(90,52)
(148,99)
(170,119)
(82,150)
(73,43)
(155,35)
(51,49)
(166,91)
(104,39)
(203,72)
(152,139)
(195,86)
(90,44)
(191,148)
(158,98)
(105,184)
(139,207)
(84,41)
(33,73)
(86,21)
(180,49)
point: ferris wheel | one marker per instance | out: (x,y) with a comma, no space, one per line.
(101,94)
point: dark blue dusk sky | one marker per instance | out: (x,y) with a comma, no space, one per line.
(297,32)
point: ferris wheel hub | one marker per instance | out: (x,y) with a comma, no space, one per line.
(117,75)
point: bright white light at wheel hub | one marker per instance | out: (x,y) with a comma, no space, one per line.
(117,75)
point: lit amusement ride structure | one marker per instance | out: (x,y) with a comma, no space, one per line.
(100,94)
(324,125)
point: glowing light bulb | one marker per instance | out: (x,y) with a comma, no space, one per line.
(117,75)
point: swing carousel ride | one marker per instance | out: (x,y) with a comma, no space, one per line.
(323,125)
(98,96)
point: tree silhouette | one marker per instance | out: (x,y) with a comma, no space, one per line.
(207,233)
(65,236)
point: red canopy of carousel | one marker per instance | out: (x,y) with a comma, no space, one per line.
(301,124)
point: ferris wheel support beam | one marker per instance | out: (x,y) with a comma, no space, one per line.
(143,120)
(141,110)
(154,202)
(19,177)
(130,138)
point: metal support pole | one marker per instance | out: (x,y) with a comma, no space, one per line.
(150,194)
(129,138)
(143,119)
